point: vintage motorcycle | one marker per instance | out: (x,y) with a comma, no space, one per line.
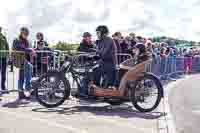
(143,89)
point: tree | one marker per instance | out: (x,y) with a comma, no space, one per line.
(173,41)
(63,46)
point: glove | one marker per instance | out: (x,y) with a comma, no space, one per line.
(96,57)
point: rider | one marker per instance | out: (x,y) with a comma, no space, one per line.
(106,49)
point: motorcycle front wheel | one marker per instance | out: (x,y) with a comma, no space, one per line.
(52,89)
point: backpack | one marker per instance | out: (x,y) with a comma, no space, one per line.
(18,58)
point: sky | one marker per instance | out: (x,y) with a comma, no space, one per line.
(66,20)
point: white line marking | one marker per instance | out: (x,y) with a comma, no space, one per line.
(50,123)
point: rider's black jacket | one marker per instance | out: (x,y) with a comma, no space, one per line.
(107,50)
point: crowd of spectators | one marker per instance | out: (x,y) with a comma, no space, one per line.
(36,60)
(29,60)
(161,51)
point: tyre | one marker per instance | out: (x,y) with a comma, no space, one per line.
(52,89)
(114,102)
(143,91)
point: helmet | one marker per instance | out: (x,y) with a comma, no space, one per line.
(103,29)
(25,30)
(141,47)
(86,34)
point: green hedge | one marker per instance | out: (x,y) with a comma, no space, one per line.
(63,46)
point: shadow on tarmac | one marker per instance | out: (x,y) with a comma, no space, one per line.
(19,103)
(123,112)
(16,104)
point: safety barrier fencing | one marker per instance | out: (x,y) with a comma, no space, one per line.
(166,68)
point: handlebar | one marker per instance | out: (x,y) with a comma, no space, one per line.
(82,57)
(80,61)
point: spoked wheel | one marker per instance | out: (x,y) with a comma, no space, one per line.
(52,89)
(147,93)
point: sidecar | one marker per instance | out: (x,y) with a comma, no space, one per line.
(136,85)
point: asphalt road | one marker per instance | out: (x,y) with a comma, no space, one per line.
(184,101)
(73,117)
(76,117)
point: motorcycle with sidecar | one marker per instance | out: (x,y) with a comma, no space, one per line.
(143,89)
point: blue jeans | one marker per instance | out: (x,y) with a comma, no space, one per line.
(25,75)
(84,86)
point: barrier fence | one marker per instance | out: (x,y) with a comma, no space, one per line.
(166,68)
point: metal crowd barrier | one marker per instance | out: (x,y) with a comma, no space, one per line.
(165,68)
(172,67)
(41,62)
(121,57)
(196,64)
(16,61)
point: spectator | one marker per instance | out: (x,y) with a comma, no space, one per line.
(4,54)
(43,53)
(163,63)
(188,55)
(86,44)
(163,44)
(21,44)
(155,48)
(149,46)
(139,39)
(116,38)
(133,40)
(40,39)
(124,45)
(167,52)
(171,61)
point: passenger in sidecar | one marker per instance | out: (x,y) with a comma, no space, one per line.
(129,71)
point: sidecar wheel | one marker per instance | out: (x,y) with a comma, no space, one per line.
(144,90)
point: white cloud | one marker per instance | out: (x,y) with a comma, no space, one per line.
(67,19)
